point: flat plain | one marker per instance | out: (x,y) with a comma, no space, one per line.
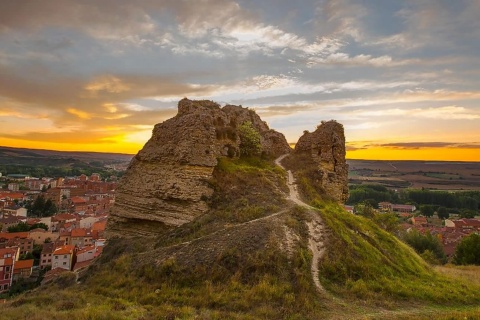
(434,175)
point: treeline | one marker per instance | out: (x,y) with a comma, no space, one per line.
(373,194)
(461,200)
(53,171)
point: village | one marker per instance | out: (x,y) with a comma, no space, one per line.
(49,226)
(448,231)
(53,225)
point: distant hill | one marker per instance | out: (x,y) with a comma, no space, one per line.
(22,156)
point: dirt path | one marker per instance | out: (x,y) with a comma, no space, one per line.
(316,228)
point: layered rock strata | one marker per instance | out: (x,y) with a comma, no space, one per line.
(166,183)
(326,146)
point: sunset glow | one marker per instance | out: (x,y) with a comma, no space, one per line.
(402,77)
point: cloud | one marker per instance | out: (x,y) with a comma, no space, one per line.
(73,137)
(443,113)
(427,145)
(79,113)
(107,83)
(119,67)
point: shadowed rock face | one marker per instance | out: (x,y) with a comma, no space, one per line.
(326,145)
(166,183)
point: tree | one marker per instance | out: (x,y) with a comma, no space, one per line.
(249,140)
(42,207)
(387,221)
(49,209)
(21,227)
(468,250)
(365,209)
(422,243)
(36,253)
(427,210)
(442,213)
(26,256)
(38,205)
(467,214)
(39,225)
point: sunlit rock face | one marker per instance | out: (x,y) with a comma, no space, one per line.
(166,184)
(326,145)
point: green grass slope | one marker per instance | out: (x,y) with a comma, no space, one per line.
(233,263)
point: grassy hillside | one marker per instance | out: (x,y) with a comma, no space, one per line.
(248,258)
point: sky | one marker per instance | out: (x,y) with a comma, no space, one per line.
(402,76)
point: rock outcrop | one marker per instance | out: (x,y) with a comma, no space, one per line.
(166,183)
(326,145)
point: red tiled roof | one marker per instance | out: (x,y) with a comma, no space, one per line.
(33,221)
(11,219)
(78,200)
(67,249)
(81,232)
(402,206)
(99,251)
(82,264)
(23,264)
(13,235)
(472,222)
(48,248)
(99,225)
(64,216)
(16,195)
(86,249)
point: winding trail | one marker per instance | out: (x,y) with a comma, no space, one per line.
(316,227)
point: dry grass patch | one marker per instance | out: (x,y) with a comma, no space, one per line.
(470,274)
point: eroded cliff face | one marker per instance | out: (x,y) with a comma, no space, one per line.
(326,146)
(166,184)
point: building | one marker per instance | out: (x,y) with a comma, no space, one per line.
(420,221)
(463,224)
(8,257)
(81,237)
(63,257)
(22,269)
(13,186)
(46,255)
(86,254)
(79,204)
(17,239)
(15,211)
(59,221)
(39,235)
(391,207)
(10,221)
(18,176)
(349,209)
(34,184)
(95,177)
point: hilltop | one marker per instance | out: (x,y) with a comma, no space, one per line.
(248,230)
(23,156)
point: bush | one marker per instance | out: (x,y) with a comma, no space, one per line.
(250,140)
(468,250)
(422,243)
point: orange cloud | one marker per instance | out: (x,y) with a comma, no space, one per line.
(79,113)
